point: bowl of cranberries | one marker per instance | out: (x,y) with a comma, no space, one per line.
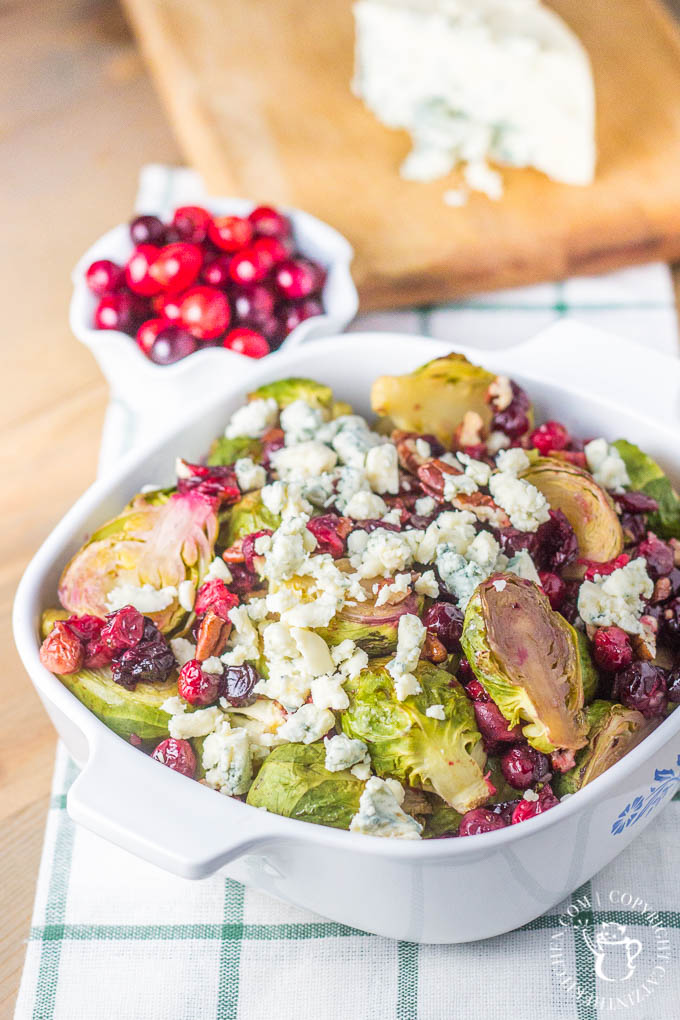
(182,301)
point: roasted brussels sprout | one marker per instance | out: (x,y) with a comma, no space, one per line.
(613,732)
(373,628)
(160,539)
(434,398)
(589,677)
(249,515)
(126,712)
(526,656)
(286,391)
(646,476)
(443,756)
(442,821)
(227,451)
(586,506)
(293,781)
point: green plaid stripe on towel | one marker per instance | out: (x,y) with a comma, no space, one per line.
(114,936)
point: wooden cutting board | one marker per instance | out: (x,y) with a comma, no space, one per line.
(258,92)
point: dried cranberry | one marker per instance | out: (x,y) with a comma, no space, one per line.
(62,651)
(595,569)
(216,596)
(555,543)
(445,622)
(529,808)
(513,420)
(554,587)
(673,685)
(659,556)
(248,546)
(123,629)
(634,527)
(612,649)
(151,661)
(522,766)
(243,581)
(493,725)
(217,481)
(642,686)
(466,675)
(238,684)
(374,525)
(636,502)
(85,627)
(671,621)
(196,686)
(330,532)
(505,810)
(178,755)
(513,541)
(97,654)
(480,820)
(549,436)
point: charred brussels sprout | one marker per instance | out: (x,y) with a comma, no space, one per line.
(526,656)
(160,539)
(227,451)
(589,677)
(286,391)
(646,476)
(613,732)
(586,506)
(373,628)
(443,756)
(294,782)
(126,712)
(249,515)
(434,398)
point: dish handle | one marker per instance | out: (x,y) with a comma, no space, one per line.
(169,820)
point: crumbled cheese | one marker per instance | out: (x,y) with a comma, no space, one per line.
(435,712)
(349,659)
(423,449)
(427,584)
(526,507)
(530,795)
(285,499)
(393,516)
(300,422)
(353,440)
(257,609)
(348,481)
(305,460)
(497,441)
(392,594)
(249,475)
(183,650)
(616,599)
(425,506)
(459,576)
(144,598)
(476,469)
(380,813)
(327,692)
(410,639)
(384,553)
(227,760)
(382,468)
(253,419)
(186,595)
(365,506)
(606,465)
(483,550)
(454,485)
(218,570)
(522,565)
(306,725)
(454,528)
(244,640)
(499,584)
(213,664)
(512,462)
(342,752)
(184,725)
(294,658)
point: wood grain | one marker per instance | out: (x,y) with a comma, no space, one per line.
(259,97)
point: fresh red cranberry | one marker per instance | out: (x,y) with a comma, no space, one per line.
(176,266)
(330,532)
(268,222)
(178,755)
(642,686)
(104,277)
(248,546)
(167,306)
(522,766)
(192,223)
(215,595)
(215,271)
(295,312)
(246,341)
(270,328)
(138,270)
(147,230)
(298,278)
(238,684)
(230,233)
(196,686)
(172,344)
(636,502)
(611,649)
(554,587)
(147,333)
(116,311)
(493,725)
(529,808)
(549,436)
(150,661)
(513,420)
(61,651)
(659,556)
(479,820)
(270,250)
(247,267)
(253,303)
(205,312)
(123,629)
(595,569)
(445,622)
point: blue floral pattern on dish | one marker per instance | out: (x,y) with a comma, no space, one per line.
(665,780)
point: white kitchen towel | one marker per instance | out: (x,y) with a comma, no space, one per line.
(114,936)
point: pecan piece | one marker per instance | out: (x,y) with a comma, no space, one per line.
(234,554)
(408,452)
(483,507)
(433,649)
(213,634)
(431,475)
(499,393)
(470,431)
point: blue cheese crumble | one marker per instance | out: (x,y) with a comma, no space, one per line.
(380,812)
(616,599)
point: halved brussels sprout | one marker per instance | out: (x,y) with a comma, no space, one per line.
(526,656)
(126,712)
(589,677)
(442,821)
(160,539)
(586,506)
(227,451)
(434,398)
(293,781)
(613,732)
(442,756)
(249,514)
(373,628)
(646,476)
(286,391)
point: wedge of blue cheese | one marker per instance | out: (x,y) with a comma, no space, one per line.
(478,81)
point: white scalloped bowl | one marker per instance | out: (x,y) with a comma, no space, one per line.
(158,390)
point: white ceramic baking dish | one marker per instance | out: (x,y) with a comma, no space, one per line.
(451,890)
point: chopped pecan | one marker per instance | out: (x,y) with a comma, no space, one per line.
(675,545)
(499,393)
(483,507)
(470,431)
(213,634)
(234,554)
(644,644)
(431,475)
(433,649)
(273,435)
(394,597)
(663,590)
(410,457)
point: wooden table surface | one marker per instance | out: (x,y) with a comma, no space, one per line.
(78,117)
